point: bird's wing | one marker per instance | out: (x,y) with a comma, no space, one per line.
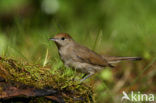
(85,55)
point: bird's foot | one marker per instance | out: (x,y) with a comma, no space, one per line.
(85,78)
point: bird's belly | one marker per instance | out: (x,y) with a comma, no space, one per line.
(82,67)
(71,61)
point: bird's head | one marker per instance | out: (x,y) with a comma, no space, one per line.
(62,39)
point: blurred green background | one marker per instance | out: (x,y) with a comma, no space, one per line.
(109,27)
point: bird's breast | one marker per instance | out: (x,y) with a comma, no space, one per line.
(65,54)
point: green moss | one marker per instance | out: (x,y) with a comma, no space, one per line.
(61,79)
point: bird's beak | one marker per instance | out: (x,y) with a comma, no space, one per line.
(54,39)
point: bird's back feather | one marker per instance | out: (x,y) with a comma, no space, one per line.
(88,56)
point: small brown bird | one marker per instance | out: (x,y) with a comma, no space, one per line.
(81,58)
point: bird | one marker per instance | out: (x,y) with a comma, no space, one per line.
(81,58)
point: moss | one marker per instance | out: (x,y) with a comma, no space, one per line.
(61,79)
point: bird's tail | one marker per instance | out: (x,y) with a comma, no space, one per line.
(113,60)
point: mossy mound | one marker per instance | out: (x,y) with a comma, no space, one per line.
(42,77)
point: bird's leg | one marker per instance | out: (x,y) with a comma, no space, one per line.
(82,77)
(86,77)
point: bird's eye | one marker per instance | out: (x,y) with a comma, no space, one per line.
(62,38)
